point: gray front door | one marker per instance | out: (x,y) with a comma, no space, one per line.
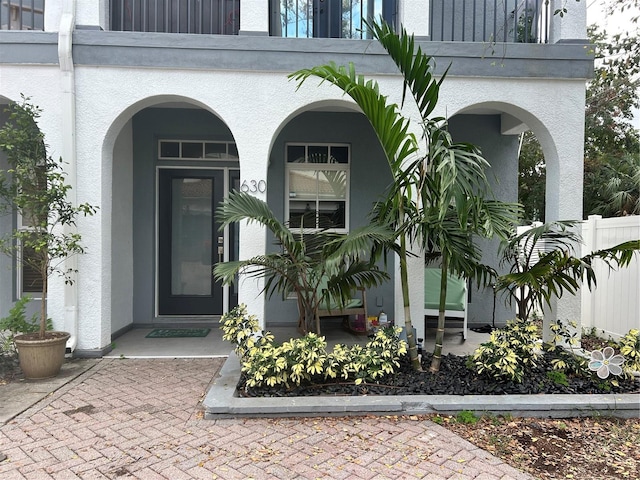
(189,244)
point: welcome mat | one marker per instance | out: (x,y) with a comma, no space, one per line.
(178,332)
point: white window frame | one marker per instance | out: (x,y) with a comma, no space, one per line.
(226,156)
(346,167)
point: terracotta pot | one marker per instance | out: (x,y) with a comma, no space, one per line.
(41,358)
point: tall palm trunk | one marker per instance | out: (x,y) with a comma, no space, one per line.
(437,351)
(404,280)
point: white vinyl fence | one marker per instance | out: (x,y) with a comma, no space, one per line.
(613,307)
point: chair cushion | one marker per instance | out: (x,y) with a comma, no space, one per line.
(456,291)
(352,303)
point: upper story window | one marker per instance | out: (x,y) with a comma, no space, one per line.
(317,180)
(327,18)
(22,15)
(196,150)
(176,16)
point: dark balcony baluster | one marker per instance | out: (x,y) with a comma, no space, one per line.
(521,21)
(22,15)
(176,16)
(327,18)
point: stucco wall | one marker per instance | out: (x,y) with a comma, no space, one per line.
(256,106)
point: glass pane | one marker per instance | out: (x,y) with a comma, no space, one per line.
(295,154)
(332,184)
(31,278)
(339,155)
(170,149)
(233,151)
(191,234)
(215,150)
(331,215)
(303,184)
(318,154)
(192,150)
(302,214)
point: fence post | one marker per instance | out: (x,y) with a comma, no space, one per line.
(590,237)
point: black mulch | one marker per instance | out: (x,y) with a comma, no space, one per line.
(454,378)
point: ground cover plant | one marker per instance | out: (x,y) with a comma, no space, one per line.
(513,361)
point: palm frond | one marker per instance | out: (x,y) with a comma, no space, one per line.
(243,206)
(415,66)
(390,126)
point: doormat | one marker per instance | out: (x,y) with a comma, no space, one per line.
(178,332)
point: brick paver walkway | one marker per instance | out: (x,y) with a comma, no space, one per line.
(140,419)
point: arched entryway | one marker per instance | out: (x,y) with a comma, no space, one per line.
(172,163)
(315,147)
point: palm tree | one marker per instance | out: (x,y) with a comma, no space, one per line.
(543,265)
(428,193)
(391,127)
(320,268)
(454,210)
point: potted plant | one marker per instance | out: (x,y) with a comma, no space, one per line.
(34,188)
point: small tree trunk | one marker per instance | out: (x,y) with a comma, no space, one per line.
(311,321)
(43,304)
(408,326)
(437,351)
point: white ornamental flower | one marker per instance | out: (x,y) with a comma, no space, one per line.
(605,362)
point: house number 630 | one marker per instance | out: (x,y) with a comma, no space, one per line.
(253,186)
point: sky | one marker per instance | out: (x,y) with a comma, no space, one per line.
(612,24)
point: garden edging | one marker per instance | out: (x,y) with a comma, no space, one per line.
(221,401)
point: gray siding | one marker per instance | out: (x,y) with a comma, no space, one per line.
(369,176)
(501,151)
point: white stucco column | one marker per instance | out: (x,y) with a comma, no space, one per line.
(253,150)
(564,156)
(254,19)
(92,14)
(414,16)
(571,25)
(52,13)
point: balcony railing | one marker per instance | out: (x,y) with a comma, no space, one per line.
(327,18)
(176,16)
(520,21)
(523,21)
(22,15)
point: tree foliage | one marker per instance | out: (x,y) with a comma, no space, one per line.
(612,144)
(543,265)
(441,200)
(320,268)
(35,187)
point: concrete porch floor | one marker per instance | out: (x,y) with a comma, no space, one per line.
(133,344)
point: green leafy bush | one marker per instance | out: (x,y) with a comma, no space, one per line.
(509,351)
(305,359)
(16,322)
(630,348)
(566,359)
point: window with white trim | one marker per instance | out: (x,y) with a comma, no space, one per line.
(29,278)
(317,182)
(196,150)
